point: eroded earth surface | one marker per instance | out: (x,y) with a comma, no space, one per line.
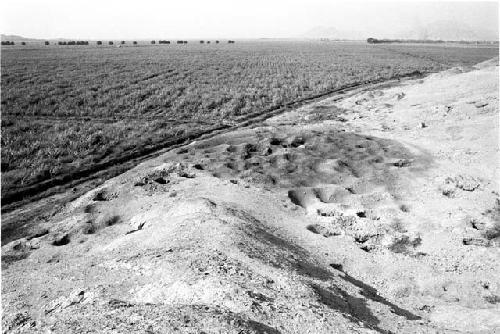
(375,211)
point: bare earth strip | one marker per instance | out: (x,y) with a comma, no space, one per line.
(375,212)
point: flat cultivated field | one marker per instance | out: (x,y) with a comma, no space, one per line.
(68,111)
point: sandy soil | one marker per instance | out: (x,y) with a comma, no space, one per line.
(376,211)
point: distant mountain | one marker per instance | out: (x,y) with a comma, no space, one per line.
(17,38)
(449,31)
(333,33)
(439,30)
(321,32)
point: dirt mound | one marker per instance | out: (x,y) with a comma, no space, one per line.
(303,158)
(487,63)
(200,263)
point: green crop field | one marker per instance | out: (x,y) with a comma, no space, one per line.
(66,109)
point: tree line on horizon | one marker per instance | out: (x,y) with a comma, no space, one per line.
(111,42)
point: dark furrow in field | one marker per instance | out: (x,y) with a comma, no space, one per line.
(138,82)
(141,118)
(153,76)
(23,195)
(425,57)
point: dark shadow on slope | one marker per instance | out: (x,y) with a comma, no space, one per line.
(372,293)
(314,271)
(259,327)
(353,308)
(8,259)
(284,254)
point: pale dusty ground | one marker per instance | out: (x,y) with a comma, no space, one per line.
(377,211)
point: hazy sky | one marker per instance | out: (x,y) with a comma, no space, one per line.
(132,19)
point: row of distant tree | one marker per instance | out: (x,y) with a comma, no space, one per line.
(11,43)
(164,42)
(70,43)
(109,43)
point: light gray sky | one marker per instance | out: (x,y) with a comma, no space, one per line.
(133,19)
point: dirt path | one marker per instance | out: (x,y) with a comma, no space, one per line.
(377,212)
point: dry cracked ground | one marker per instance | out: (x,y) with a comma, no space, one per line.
(374,211)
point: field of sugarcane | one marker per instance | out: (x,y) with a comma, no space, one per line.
(66,109)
